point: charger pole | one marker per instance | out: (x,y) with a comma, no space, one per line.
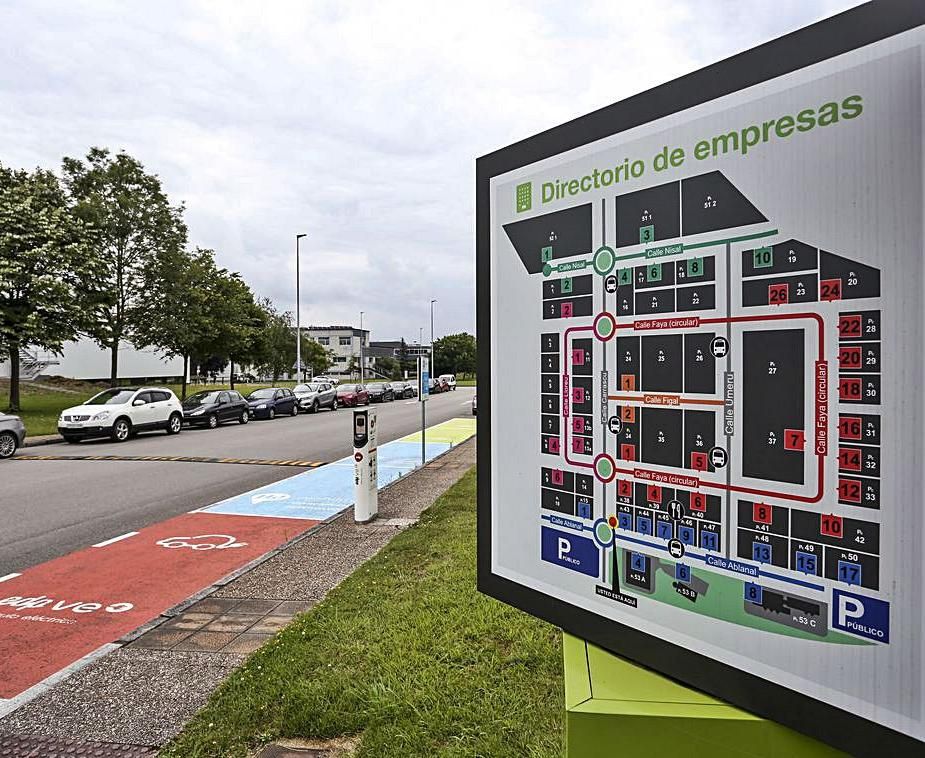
(423,394)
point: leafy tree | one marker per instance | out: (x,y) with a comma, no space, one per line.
(315,356)
(389,366)
(179,316)
(455,354)
(240,323)
(136,224)
(277,341)
(48,268)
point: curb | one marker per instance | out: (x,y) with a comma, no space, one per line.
(42,439)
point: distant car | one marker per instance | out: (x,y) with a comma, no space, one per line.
(327,379)
(316,395)
(450,379)
(404,389)
(213,407)
(352,395)
(245,378)
(272,402)
(380,392)
(120,412)
(473,405)
(12,434)
(435,386)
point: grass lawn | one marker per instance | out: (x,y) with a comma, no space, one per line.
(41,407)
(406,655)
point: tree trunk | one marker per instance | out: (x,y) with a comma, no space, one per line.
(114,364)
(185,376)
(231,374)
(14,377)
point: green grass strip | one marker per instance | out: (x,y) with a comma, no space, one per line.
(405,653)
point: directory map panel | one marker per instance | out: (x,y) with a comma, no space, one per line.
(706,417)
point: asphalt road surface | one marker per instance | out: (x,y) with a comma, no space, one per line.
(51,508)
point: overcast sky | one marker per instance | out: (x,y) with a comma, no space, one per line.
(358,123)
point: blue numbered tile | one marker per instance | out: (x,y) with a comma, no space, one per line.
(624,521)
(638,562)
(686,534)
(709,541)
(849,572)
(644,525)
(584,509)
(682,572)
(663,530)
(761,552)
(753,593)
(807,563)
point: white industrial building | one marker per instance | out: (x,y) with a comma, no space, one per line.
(343,342)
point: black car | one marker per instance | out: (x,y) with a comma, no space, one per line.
(272,402)
(213,407)
(380,392)
(404,389)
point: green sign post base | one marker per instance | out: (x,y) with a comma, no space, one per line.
(614,708)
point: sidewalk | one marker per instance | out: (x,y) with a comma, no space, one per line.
(143,692)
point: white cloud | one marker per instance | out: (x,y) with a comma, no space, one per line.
(357,123)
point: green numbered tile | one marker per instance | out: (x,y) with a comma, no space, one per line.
(763,257)
(625,276)
(567,286)
(695,267)
(546,254)
(646,233)
(654,272)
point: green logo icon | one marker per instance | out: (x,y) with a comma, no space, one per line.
(524,197)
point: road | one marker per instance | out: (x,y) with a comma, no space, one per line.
(51,508)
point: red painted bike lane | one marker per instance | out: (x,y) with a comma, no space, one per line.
(58,612)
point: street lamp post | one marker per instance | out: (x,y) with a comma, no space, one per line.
(361,347)
(432,367)
(298,319)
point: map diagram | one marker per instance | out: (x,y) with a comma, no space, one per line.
(710,430)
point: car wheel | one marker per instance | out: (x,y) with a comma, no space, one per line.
(334,404)
(212,421)
(8,444)
(244,418)
(295,410)
(175,423)
(121,430)
(71,440)
(272,414)
(367,401)
(315,407)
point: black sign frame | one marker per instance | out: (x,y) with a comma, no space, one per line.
(855,28)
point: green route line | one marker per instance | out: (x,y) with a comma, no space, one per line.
(580,264)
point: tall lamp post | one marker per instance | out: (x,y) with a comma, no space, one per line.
(432,367)
(298,320)
(361,347)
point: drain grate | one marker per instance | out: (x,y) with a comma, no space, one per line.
(30,746)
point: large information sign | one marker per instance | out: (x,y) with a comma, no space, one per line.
(701,335)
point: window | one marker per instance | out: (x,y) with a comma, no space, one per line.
(160,397)
(340,358)
(346,341)
(324,340)
(224,398)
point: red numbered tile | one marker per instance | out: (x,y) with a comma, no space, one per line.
(578,445)
(578,395)
(628,381)
(578,425)
(628,414)
(849,490)
(849,458)
(849,388)
(628,452)
(762,513)
(654,493)
(698,502)
(849,325)
(778,294)
(830,289)
(794,439)
(566,310)
(830,525)
(553,444)
(849,357)
(849,428)
(578,357)
(624,488)
(699,461)
(558,476)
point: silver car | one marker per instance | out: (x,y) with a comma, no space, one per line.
(12,434)
(316,395)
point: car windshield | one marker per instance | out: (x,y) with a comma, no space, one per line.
(375,386)
(202,398)
(111,397)
(307,388)
(261,394)
(347,388)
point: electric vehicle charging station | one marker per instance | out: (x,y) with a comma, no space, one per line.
(366,470)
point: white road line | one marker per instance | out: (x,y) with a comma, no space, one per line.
(9,576)
(115,539)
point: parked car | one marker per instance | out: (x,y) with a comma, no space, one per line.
(450,379)
(352,395)
(435,386)
(327,379)
(380,392)
(316,395)
(213,407)
(12,434)
(404,389)
(121,412)
(473,404)
(272,402)
(245,378)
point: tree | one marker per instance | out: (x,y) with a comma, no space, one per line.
(455,354)
(315,356)
(389,367)
(48,266)
(239,322)
(136,224)
(179,313)
(277,341)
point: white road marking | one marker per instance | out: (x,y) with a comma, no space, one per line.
(9,576)
(115,539)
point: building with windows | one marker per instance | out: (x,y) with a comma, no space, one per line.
(344,343)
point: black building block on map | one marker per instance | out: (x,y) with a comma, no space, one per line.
(662,441)
(699,505)
(699,437)
(846,533)
(773,389)
(799,288)
(662,363)
(781,258)
(857,279)
(701,297)
(859,427)
(625,300)
(567,286)
(557,479)
(549,342)
(699,363)
(654,301)
(580,357)
(848,567)
(654,274)
(549,424)
(759,547)
(568,307)
(550,404)
(567,232)
(695,270)
(657,207)
(581,394)
(549,363)
(653,495)
(711,202)
(556,500)
(762,517)
(627,363)
(859,325)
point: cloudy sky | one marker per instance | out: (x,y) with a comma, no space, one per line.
(358,123)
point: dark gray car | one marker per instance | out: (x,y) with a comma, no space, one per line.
(12,434)
(316,395)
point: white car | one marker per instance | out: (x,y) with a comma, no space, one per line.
(120,412)
(450,379)
(327,380)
